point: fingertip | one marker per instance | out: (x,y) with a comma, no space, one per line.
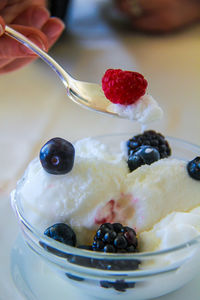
(58,21)
(53,28)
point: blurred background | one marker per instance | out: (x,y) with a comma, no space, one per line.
(34,105)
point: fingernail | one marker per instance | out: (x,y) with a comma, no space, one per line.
(36,40)
(54,28)
(39,16)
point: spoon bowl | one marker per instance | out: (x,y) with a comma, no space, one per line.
(86,94)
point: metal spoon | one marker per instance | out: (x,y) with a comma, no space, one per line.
(89,95)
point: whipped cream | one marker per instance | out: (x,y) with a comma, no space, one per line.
(144,111)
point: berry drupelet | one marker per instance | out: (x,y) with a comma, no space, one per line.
(115,238)
(149,138)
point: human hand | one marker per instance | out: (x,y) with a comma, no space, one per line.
(161,15)
(31,18)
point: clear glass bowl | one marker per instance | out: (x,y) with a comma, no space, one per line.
(118,276)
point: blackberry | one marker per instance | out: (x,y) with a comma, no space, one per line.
(115,238)
(149,138)
(118,239)
(110,232)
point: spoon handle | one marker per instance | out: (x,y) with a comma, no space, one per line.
(64,76)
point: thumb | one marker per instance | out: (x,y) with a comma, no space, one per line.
(2,26)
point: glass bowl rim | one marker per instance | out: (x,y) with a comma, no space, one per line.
(66,249)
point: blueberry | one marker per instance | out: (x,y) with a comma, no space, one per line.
(134,162)
(62,233)
(193,168)
(148,154)
(57,156)
(144,155)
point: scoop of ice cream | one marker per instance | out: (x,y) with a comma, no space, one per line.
(144,111)
(175,229)
(159,189)
(89,147)
(73,198)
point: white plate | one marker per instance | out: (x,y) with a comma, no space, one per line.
(15,256)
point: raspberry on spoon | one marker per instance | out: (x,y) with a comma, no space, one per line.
(123,87)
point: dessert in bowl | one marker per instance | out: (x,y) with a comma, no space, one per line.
(117,216)
(167,252)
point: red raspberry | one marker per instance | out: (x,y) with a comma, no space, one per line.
(123,87)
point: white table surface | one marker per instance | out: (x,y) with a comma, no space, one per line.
(34,106)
